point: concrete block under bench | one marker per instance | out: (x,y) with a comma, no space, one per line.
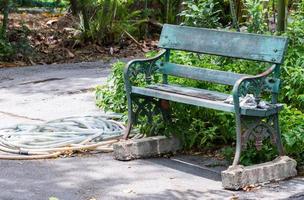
(145,147)
(238,177)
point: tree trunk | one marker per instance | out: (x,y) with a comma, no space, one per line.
(74,7)
(146,17)
(5,18)
(167,11)
(233,11)
(282,15)
(179,10)
(105,21)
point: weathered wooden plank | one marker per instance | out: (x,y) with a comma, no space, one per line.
(190,91)
(217,105)
(202,74)
(231,44)
(183,99)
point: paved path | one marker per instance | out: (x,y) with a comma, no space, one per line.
(40,93)
(101,177)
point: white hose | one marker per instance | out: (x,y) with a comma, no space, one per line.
(58,137)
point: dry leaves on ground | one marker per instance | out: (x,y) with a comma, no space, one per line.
(55,38)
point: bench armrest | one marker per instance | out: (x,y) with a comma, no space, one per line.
(145,66)
(255,85)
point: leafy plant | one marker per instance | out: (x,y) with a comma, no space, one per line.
(105,21)
(293,87)
(292,125)
(204,13)
(112,95)
(6,49)
(41,3)
(14,42)
(293,70)
(256,16)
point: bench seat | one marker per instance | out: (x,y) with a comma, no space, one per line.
(200,97)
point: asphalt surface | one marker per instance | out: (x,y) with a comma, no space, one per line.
(41,93)
(100,177)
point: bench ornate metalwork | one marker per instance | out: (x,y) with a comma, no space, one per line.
(251,123)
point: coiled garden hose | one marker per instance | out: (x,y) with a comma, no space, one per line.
(62,136)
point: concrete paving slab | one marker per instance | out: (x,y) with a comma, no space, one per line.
(41,93)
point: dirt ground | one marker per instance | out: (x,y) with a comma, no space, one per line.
(51,38)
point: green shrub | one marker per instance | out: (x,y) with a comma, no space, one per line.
(204,13)
(106,21)
(293,86)
(293,69)
(6,50)
(256,16)
(41,3)
(16,44)
(292,126)
(111,97)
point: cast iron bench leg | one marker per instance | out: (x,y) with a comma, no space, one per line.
(238,140)
(130,117)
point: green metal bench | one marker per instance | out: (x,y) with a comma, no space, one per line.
(251,123)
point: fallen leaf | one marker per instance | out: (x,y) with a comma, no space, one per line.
(51,22)
(70,54)
(99,49)
(31,61)
(128,191)
(53,198)
(252,187)
(111,51)
(234,197)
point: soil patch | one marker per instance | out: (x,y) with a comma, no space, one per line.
(49,38)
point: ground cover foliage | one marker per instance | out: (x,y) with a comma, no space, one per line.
(208,129)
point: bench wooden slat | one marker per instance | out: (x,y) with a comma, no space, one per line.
(172,95)
(202,74)
(230,44)
(190,91)
(183,99)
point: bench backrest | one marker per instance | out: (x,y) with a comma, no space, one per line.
(230,44)
(201,74)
